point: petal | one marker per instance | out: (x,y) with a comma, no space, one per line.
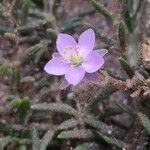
(64,84)
(93,62)
(64,40)
(86,42)
(56,55)
(102,52)
(56,67)
(74,75)
(92,77)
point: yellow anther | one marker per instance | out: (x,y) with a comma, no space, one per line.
(76,60)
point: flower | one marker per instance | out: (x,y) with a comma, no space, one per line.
(76,60)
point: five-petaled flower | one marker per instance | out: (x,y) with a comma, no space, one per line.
(76,60)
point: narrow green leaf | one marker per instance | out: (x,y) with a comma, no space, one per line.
(15,80)
(15,104)
(126,66)
(55,107)
(82,147)
(88,146)
(23,30)
(4,142)
(21,147)
(47,138)
(23,109)
(99,125)
(68,124)
(35,139)
(27,79)
(145,122)
(125,108)
(77,134)
(25,7)
(4,69)
(122,37)
(101,95)
(101,9)
(112,141)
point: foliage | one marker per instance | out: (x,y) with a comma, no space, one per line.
(36,115)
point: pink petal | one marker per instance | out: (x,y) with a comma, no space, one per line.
(74,75)
(86,42)
(63,41)
(56,66)
(92,77)
(102,52)
(93,62)
(64,84)
(56,55)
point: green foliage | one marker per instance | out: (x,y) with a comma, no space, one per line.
(25,7)
(35,114)
(15,79)
(4,68)
(23,109)
(4,142)
(101,9)
(99,125)
(112,141)
(68,124)
(35,139)
(145,122)
(122,37)
(27,79)
(55,107)
(127,68)
(77,134)
(47,138)
(87,146)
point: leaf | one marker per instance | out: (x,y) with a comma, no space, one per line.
(127,68)
(145,122)
(82,147)
(15,80)
(102,94)
(99,125)
(4,69)
(27,79)
(77,134)
(44,82)
(55,107)
(122,37)
(23,109)
(23,30)
(25,7)
(15,104)
(47,138)
(4,142)
(21,147)
(68,124)
(125,108)
(88,146)
(112,141)
(101,9)
(35,139)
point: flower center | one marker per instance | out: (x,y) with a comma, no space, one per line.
(76,60)
(72,55)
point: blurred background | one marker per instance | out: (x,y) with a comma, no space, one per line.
(28,32)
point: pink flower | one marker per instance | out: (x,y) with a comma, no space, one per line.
(76,60)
